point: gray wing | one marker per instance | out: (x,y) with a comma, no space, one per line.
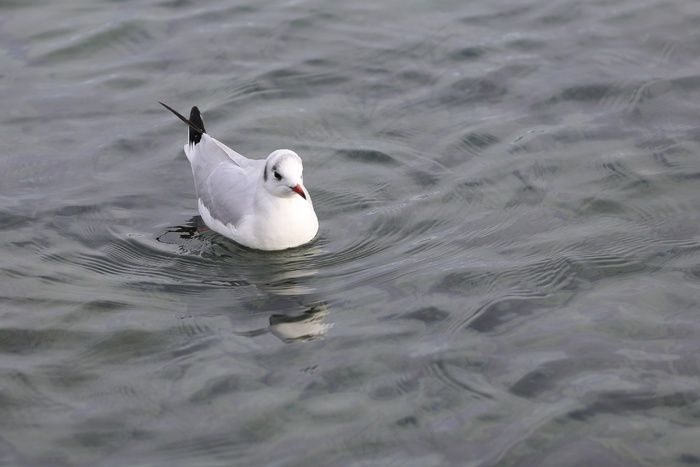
(228,192)
(224,185)
(211,149)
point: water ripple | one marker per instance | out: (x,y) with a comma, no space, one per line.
(508,253)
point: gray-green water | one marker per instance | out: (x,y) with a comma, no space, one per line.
(508,267)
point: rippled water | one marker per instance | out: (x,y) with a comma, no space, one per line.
(508,267)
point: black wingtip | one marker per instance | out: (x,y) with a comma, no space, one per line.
(195,123)
(196,119)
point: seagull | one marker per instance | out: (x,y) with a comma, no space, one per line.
(260,204)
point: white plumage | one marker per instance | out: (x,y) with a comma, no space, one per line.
(261,204)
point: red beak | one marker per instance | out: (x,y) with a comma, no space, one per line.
(299,190)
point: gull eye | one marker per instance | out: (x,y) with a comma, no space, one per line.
(277,175)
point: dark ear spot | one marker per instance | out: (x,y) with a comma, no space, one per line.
(265,173)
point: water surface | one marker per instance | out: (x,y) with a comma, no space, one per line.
(507,267)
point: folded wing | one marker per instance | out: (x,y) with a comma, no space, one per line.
(224,180)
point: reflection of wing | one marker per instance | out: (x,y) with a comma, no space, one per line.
(224,180)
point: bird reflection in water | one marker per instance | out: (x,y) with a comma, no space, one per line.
(283,287)
(306,326)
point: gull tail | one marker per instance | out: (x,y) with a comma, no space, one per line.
(195,123)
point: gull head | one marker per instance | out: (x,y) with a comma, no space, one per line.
(283,174)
